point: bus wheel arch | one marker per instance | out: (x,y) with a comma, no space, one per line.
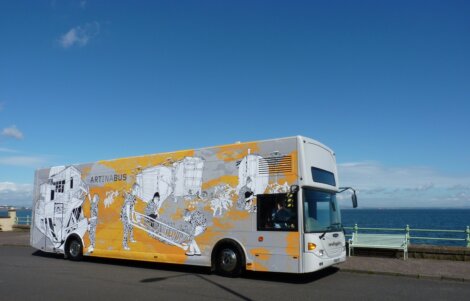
(228,258)
(73,248)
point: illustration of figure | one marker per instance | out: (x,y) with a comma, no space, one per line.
(245,196)
(93,221)
(152,206)
(198,223)
(126,211)
(151,210)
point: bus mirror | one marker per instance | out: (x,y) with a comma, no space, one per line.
(294,188)
(354,200)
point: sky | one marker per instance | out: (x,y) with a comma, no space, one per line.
(385,84)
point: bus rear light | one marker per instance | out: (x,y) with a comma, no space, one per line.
(311,246)
(260,238)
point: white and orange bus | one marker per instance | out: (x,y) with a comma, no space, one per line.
(261,206)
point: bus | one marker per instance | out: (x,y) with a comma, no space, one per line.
(267,205)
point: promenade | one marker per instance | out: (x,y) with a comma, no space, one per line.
(415,268)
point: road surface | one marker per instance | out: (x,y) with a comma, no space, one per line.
(26,274)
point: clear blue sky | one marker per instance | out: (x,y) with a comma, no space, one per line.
(386,84)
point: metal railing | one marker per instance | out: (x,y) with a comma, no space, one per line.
(408,230)
(23,220)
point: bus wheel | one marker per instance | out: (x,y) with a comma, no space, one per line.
(229,262)
(74,249)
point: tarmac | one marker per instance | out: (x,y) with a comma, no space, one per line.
(411,267)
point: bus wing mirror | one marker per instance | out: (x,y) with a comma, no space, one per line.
(354,200)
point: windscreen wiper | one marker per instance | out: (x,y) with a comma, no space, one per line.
(329,228)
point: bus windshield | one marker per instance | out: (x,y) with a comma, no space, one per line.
(321,211)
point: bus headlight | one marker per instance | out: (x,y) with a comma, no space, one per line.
(311,246)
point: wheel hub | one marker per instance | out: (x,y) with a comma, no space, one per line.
(228,260)
(74,248)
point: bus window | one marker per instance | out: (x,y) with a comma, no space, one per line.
(277,212)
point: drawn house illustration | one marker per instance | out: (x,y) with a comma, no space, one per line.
(252,169)
(182,179)
(58,212)
(187,177)
(155,179)
(252,180)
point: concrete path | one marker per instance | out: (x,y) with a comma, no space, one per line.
(14,238)
(417,268)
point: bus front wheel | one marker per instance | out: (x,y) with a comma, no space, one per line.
(229,261)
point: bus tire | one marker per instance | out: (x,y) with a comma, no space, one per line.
(74,249)
(229,261)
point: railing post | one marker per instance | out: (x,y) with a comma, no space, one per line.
(468,237)
(407,230)
(355,229)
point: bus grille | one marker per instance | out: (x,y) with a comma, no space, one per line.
(275,165)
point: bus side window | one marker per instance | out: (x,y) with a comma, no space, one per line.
(277,212)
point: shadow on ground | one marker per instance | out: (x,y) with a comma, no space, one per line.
(200,272)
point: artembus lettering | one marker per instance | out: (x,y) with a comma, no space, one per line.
(108,178)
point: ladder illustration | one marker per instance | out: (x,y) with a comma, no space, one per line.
(165,232)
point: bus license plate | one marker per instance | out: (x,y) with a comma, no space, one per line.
(336,260)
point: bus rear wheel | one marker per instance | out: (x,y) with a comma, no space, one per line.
(74,249)
(229,262)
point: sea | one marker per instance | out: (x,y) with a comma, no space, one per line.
(435,219)
(432,219)
(21,213)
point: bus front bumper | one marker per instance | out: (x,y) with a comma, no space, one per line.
(312,262)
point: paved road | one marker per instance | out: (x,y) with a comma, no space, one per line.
(29,275)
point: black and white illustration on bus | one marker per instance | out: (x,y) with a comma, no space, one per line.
(222,199)
(110,195)
(153,206)
(187,178)
(277,188)
(155,179)
(126,212)
(251,181)
(59,211)
(93,222)
(181,181)
(198,223)
(178,180)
